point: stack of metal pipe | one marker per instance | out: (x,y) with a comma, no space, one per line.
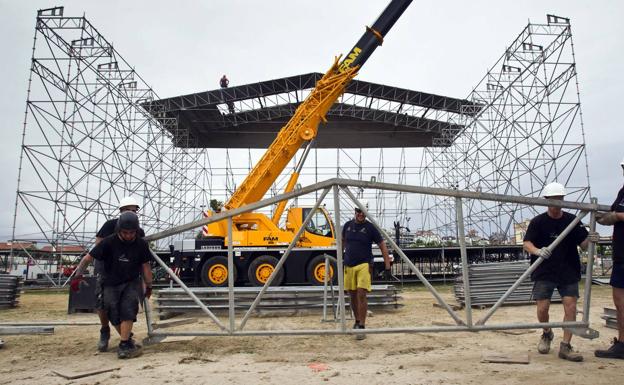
(489,281)
(610,316)
(275,300)
(10,289)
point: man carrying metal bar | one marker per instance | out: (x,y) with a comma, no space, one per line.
(561,268)
(615,218)
(107,229)
(358,236)
(126,257)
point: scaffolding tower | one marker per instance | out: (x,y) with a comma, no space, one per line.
(529,133)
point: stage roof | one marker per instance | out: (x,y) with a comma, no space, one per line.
(368,115)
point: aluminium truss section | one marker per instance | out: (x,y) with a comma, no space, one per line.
(529,133)
(87,142)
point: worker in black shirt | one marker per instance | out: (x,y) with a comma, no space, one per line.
(358,236)
(126,258)
(560,269)
(615,218)
(108,228)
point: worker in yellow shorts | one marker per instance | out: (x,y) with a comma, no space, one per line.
(358,236)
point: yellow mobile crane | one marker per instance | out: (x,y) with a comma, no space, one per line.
(256,230)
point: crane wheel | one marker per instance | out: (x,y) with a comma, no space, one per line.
(316,271)
(261,268)
(214,272)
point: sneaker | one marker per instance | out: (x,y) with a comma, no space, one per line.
(615,351)
(566,352)
(128,349)
(102,345)
(359,336)
(544,344)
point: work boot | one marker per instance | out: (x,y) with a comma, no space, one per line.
(128,349)
(359,336)
(615,351)
(566,352)
(102,345)
(544,344)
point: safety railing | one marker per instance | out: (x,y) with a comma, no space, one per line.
(337,186)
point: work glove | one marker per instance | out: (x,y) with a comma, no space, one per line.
(607,219)
(76,282)
(148,292)
(593,236)
(387,275)
(544,252)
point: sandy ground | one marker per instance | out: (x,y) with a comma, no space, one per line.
(421,358)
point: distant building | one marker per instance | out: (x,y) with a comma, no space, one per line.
(520,230)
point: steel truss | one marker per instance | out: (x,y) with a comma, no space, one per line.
(343,186)
(86,142)
(529,133)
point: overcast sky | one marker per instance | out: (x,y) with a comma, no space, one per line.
(441,47)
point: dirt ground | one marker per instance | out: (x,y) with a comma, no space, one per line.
(419,358)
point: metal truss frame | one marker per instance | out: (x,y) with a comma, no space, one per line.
(529,133)
(344,186)
(87,142)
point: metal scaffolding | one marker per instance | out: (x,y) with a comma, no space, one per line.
(529,133)
(86,142)
(93,133)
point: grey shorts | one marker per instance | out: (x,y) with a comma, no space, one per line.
(121,302)
(545,289)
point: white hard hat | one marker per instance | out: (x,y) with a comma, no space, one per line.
(554,189)
(363,203)
(128,201)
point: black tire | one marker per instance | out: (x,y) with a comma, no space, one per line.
(261,267)
(214,272)
(316,268)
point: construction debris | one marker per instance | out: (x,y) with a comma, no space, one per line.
(500,358)
(86,373)
(489,281)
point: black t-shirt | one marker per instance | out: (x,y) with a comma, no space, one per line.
(122,261)
(618,229)
(108,228)
(358,238)
(564,265)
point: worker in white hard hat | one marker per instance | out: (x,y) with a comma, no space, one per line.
(108,228)
(358,236)
(615,218)
(561,267)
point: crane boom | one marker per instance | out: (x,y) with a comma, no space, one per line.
(302,127)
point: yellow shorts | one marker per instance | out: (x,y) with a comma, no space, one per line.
(357,277)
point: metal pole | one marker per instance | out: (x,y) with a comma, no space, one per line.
(187,290)
(396,248)
(230,259)
(591,250)
(325,289)
(422,329)
(339,266)
(148,316)
(531,268)
(461,237)
(282,260)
